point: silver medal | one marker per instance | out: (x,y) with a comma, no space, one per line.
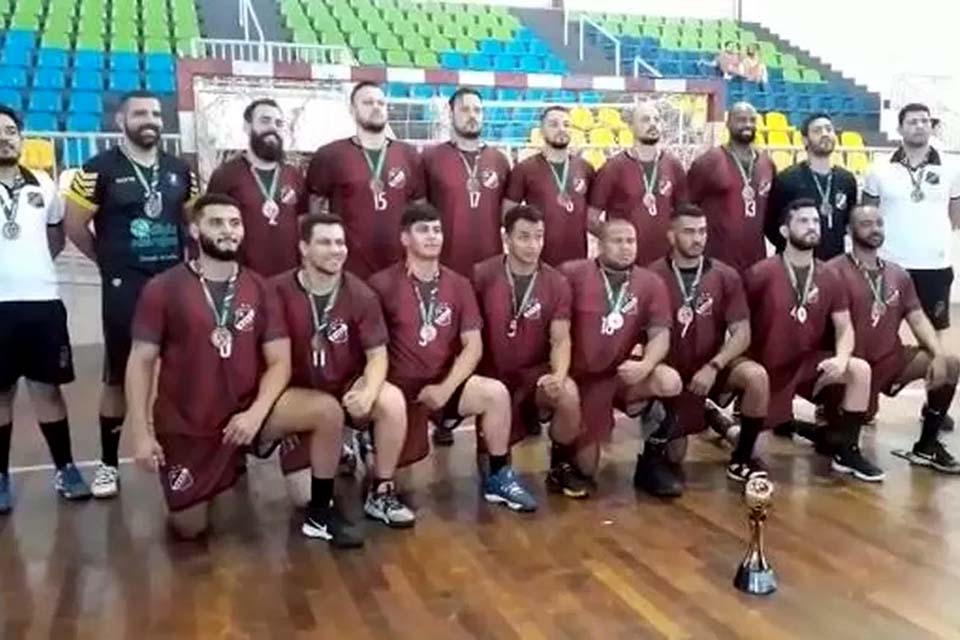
(271,210)
(801,314)
(917,195)
(615,320)
(153,206)
(222,339)
(428,333)
(565,201)
(376,185)
(473,184)
(11,230)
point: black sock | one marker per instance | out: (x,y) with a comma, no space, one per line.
(110,440)
(749,432)
(6,431)
(845,432)
(497,463)
(379,482)
(321,492)
(57,435)
(560,453)
(938,402)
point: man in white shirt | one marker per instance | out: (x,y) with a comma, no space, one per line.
(34,343)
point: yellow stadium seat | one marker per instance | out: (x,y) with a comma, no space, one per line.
(595,157)
(602,137)
(858,162)
(578,138)
(782,159)
(836,159)
(625,138)
(760,141)
(798,139)
(65,180)
(724,136)
(851,140)
(536,136)
(581,118)
(778,139)
(776,121)
(610,118)
(37,154)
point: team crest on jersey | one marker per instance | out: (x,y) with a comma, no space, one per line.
(338,332)
(444,315)
(932,178)
(288,195)
(814,295)
(490,179)
(704,306)
(35,199)
(533,310)
(396,177)
(840,201)
(893,299)
(665,187)
(179,478)
(580,184)
(764,189)
(244,317)
(630,304)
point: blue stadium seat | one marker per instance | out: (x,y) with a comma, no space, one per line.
(523,33)
(760,101)
(446,90)
(590,97)
(451,60)
(537,48)
(160,62)
(123,61)
(46,102)
(508,93)
(489,47)
(504,63)
(525,114)
(536,95)
(53,58)
(781,102)
(45,78)
(555,65)
(422,91)
(566,95)
(75,152)
(670,68)
(486,93)
(83,122)
(690,68)
(124,81)
(531,64)
(397,90)
(86,60)
(41,122)
(496,114)
(479,61)
(774,75)
(85,102)
(16,57)
(161,82)
(12,98)
(13,77)
(16,39)
(90,80)
(515,48)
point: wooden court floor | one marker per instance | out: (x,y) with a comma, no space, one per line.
(857,561)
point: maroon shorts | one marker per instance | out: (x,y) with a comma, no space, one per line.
(690,408)
(798,379)
(417,444)
(523,399)
(196,468)
(600,394)
(886,372)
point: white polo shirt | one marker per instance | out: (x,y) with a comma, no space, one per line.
(26,267)
(918,234)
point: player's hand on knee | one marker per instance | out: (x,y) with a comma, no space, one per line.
(702,381)
(832,369)
(634,372)
(358,403)
(938,373)
(148,453)
(551,384)
(242,429)
(434,397)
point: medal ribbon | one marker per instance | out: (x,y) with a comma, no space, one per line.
(221,316)
(10,208)
(650,183)
(426,310)
(876,286)
(614,303)
(919,172)
(471,169)
(745,173)
(799,294)
(375,168)
(269,195)
(561,179)
(518,310)
(151,186)
(320,321)
(824,193)
(688,296)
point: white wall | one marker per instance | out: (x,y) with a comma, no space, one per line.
(668,8)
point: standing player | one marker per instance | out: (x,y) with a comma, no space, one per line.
(367,180)
(435,346)
(339,346)
(556,182)
(882,295)
(33,321)
(833,188)
(709,339)
(137,197)
(795,300)
(270,191)
(643,185)
(526,332)
(466,181)
(732,185)
(621,335)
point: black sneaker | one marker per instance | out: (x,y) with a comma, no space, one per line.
(565,479)
(850,460)
(947,424)
(934,456)
(743,471)
(719,423)
(327,523)
(655,475)
(784,429)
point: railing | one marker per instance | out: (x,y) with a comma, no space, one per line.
(651,70)
(584,20)
(247,15)
(256,51)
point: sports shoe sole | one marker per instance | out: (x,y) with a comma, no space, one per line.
(859,475)
(75,496)
(393,524)
(566,491)
(101,494)
(921,461)
(741,479)
(494,498)
(315,531)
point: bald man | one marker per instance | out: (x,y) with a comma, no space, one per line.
(731,183)
(643,184)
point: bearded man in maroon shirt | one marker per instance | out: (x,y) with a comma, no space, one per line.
(526,332)
(367,180)
(882,296)
(620,324)
(218,335)
(795,301)
(271,192)
(435,346)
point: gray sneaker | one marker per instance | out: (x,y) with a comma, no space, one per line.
(387,507)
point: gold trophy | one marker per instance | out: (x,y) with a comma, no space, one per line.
(755,575)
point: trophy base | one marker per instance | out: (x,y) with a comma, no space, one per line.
(755,581)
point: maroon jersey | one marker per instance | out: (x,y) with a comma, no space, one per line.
(735,233)
(530,347)
(469,234)
(412,365)
(354,326)
(198,391)
(268,247)
(877,336)
(646,305)
(778,339)
(533,181)
(339,172)
(620,190)
(720,302)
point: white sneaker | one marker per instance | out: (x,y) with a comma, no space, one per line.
(106,481)
(388,509)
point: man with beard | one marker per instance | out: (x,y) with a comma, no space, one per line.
(709,340)
(621,334)
(643,185)
(270,191)
(33,321)
(466,181)
(137,197)
(367,180)
(833,188)
(556,182)
(732,184)
(882,295)
(339,346)
(795,301)
(435,346)
(526,332)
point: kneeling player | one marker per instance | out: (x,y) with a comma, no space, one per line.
(435,346)
(526,331)
(708,302)
(882,295)
(224,360)
(621,334)
(339,348)
(794,302)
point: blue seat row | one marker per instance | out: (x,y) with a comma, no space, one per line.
(88,80)
(88,60)
(507,63)
(516,47)
(79,122)
(81,102)
(426,91)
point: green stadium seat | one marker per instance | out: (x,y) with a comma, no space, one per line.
(812,75)
(305,37)
(477,32)
(439,43)
(504,34)
(465,45)
(426,28)
(746,37)
(426,59)
(415,43)
(369,56)
(788,60)
(378,27)
(792,75)
(389,42)
(56,41)
(359,39)
(156,45)
(332,38)
(398,59)
(767,47)
(404,29)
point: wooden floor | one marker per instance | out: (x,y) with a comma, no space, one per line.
(854,560)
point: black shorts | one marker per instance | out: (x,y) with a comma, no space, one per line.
(34,343)
(119,295)
(933,289)
(449,416)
